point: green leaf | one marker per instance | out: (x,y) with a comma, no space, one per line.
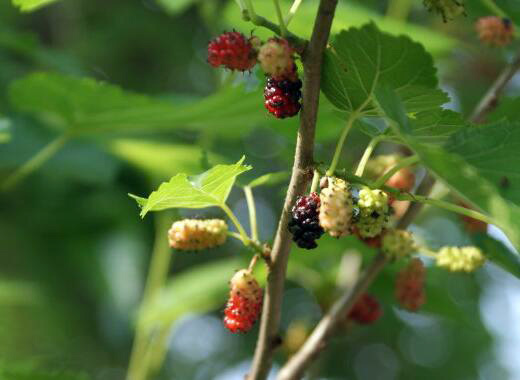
(31,5)
(498,253)
(176,6)
(508,108)
(9,371)
(159,159)
(210,188)
(269,179)
(197,290)
(481,163)
(88,106)
(360,60)
(5,130)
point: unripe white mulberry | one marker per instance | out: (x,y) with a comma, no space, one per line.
(276,58)
(194,234)
(448,9)
(373,212)
(336,208)
(464,259)
(397,244)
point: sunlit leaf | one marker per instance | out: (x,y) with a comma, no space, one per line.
(361,60)
(31,5)
(269,179)
(210,188)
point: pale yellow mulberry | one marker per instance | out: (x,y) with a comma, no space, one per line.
(194,234)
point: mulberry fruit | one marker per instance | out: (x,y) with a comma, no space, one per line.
(495,31)
(336,208)
(397,244)
(448,9)
(282,97)
(409,286)
(305,223)
(276,58)
(244,304)
(472,225)
(464,259)
(366,310)
(373,212)
(194,234)
(233,51)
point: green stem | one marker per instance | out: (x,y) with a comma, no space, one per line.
(279,15)
(399,9)
(427,251)
(401,164)
(315,181)
(243,235)
(252,212)
(249,14)
(366,156)
(494,8)
(35,162)
(339,147)
(157,273)
(294,8)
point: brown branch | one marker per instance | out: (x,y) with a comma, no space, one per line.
(302,173)
(490,100)
(296,366)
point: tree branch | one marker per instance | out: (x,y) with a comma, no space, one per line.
(312,59)
(490,100)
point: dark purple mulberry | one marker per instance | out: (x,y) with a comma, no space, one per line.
(282,97)
(305,224)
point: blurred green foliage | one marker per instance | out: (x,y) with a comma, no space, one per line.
(129,83)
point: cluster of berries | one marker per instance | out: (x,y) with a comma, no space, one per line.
(338,213)
(244,304)
(282,91)
(495,31)
(460,259)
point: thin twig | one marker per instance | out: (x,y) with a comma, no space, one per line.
(296,366)
(490,100)
(312,59)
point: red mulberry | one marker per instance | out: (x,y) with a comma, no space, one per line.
(366,310)
(282,97)
(244,304)
(233,51)
(495,31)
(409,286)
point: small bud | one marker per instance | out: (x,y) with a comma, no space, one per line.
(397,244)
(464,259)
(373,212)
(448,9)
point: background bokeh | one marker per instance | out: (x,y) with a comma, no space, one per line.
(74,252)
